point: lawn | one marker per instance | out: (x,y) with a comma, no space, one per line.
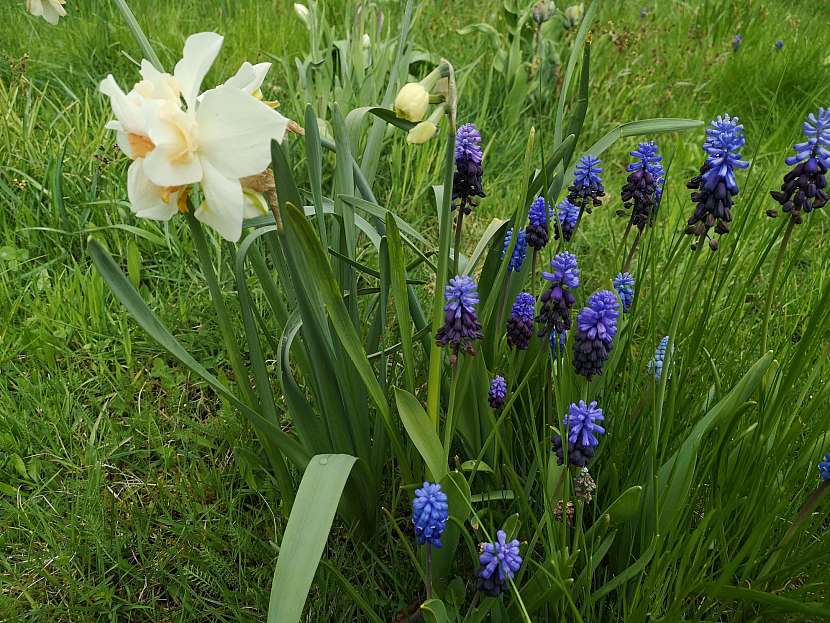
(130,490)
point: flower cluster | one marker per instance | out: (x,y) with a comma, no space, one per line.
(596,326)
(643,188)
(466,181)
(461,327)
(557,300)
(567,214)
(582,427)
(587,188)
(520,322)
(824,467)
(715,186)
(656,363)
(498,392)
(500,561)
(177,137)
(624,285)
(429,514)
(804,186)
(519,250)
(536,232)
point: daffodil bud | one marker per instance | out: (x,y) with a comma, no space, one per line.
(303,13)
(412,102)
(421,133)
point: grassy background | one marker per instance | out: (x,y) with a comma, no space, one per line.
(125,493)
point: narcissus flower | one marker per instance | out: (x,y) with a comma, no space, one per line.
(498,392)
(573,14)
(50,10)
(429,514)
(421,133)
(500,561)
(461,327)
(214,140)
(412,102)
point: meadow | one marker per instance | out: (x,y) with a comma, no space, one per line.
(132,490)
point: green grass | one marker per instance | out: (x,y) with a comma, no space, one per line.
(128,490)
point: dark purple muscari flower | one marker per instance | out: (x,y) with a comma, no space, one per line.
(567,215)
(520,323)
(596,326)
(624,285)
(466,181)
(557,300)
(581,425)
(429,514)
(643,188)
(804,185)
(736,42)
(498,392)
(715,186)
(587,188)
(824,467)
(500,561)
(779,44)
(538,216)
(461,326)
(519,250)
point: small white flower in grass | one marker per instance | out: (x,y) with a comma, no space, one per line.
(50,10)
(216,139)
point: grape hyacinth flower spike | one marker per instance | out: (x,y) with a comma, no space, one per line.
(715,187)
(624,285)
(461,327)
(587,188)
(557,300)
(581,424)
(596,326)
(498,392)
(779,44)
(824,467)
(519,250)
(567,215)
(536,232)
(520,322)
(466,182)
(736,42)
(500,561)
(656,364)
(804,185)
(643,188)
(429,514)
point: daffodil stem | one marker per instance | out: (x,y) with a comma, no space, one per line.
(779,259)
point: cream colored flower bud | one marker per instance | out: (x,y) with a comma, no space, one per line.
(303,13)
(421,133)
(412,102)
(366,41)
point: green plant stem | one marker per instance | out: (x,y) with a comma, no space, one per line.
(428,580)
(633,249)
(779,259)
(449,425)
(456,250)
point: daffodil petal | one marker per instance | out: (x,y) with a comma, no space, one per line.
(147,199)
(222,209)
(249,78)
(200,50)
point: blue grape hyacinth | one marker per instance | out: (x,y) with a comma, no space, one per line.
(581,424)
(715,187)
(520,322)
(779,44)
(643,188)
(536,232)
(804,185)
(587,188)
(624,285)
(824,467)
(500,561)
(461,327)
(736,42)
(429,514)
(498,392)
(656,363)
(466,182)
(519,250)
(596,326)
(567,215)
(557,300)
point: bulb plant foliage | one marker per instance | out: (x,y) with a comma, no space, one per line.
(499,398)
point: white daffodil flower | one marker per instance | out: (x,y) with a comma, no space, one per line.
(217,138)
(412,102)
(50,10)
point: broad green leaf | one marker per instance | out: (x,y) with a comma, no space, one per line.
(625,507)
(422,433)
(400,298)
(483,244)
(306,534)
(511,526)
(476,466)
(434,611)
(457,489)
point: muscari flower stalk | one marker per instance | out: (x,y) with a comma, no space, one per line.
(567,215)
(643,188)
(581,424)
(461,326)
(536,232)
(715,186)
(596,326)
(803,187)
(429,514)
(824,467)
(624,285)
(498,392)
(466,182)
(520,323)
(587,188)
(519,250)
(500,561)
(656,363)
(557,300)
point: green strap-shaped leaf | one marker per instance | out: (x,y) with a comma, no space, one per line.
(401,298)
(434,611)
(306,534)
(422,433)
(774,602)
